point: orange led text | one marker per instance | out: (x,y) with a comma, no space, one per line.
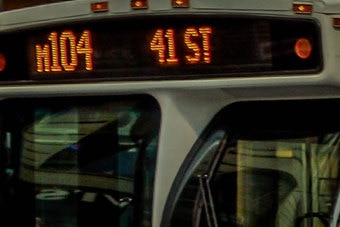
(63,50)
(196,42)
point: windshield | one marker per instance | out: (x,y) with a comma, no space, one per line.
(78,162)
(263,164)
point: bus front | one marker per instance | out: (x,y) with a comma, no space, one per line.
(140,113)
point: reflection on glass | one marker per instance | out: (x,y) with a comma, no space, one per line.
(82,162)
(250,182)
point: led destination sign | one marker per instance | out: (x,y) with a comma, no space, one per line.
(62,51)
(171,48)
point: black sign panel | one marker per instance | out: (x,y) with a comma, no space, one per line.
(168,48)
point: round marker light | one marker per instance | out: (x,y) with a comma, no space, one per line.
(303,48)
(2,62)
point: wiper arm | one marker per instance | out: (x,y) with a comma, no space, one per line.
(122,202)
(207,200)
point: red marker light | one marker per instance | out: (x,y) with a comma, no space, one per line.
(336,22)
(2,62)
(303,48)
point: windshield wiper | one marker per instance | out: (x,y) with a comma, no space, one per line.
(208,202)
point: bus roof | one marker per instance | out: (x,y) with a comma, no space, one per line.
(46,11)
(56,11)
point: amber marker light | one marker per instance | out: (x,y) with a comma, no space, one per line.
(99,6)
(2,62)
(139,4)
(180,3)
(303,48)
(302,8)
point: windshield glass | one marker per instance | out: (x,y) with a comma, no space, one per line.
(263,164)
(78,162)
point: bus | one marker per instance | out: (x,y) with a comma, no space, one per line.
(162,113)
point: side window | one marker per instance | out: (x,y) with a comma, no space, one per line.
(262,171)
